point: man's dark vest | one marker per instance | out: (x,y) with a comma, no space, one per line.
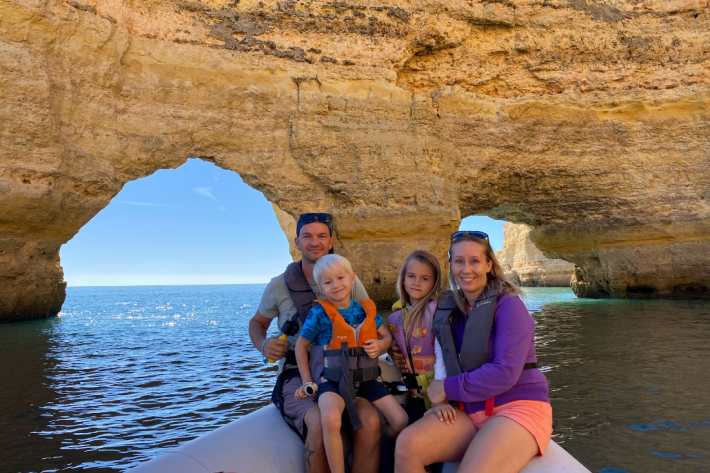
(299,289)
(479,324)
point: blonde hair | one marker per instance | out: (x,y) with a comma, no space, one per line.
(496,276)
(415,316)
(329,263)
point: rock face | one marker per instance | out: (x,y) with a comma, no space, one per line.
(526,265)
(585,119)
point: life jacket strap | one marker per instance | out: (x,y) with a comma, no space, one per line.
(366,374)
(410,381)
(362,374)
(489,406)
(357,351)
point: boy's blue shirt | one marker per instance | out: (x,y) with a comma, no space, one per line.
(318,328)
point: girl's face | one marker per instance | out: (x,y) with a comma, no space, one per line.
(470,267)
(418,280)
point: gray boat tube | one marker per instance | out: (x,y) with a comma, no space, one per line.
(262,442)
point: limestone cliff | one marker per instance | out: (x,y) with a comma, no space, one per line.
(526,265)
(585,119)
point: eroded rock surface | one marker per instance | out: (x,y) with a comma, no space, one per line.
(587,120)
(526,265)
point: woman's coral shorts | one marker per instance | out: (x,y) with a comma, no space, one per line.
(535,416)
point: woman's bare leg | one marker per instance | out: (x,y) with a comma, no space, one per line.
(501,446)
(395,415)
(331,412)
(430,440)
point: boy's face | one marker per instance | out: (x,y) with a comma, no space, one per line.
(336,285)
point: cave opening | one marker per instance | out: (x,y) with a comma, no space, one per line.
(197,224)
(494,229)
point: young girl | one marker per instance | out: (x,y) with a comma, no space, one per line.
(418,286)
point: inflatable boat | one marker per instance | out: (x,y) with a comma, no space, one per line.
(262,442)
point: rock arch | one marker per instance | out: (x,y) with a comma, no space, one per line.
(397,120)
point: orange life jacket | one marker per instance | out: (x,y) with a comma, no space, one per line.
(342,332)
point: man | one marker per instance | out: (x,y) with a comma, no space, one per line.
(314,238)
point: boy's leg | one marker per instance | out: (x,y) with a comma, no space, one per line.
(395,415)
(380,396)
(366,441)
(331,412)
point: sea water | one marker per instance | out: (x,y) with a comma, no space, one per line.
(126,373)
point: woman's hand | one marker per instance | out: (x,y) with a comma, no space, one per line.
(444,411)
(436,392)
(399,359)
(300,392)
(373,347)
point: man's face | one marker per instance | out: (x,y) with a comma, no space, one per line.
(314,241)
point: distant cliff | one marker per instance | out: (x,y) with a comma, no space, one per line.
(528,267)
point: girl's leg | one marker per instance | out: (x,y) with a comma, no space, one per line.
(501,446)
(394,414)
(430,440)
(331,412)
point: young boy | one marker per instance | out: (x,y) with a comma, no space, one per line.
(335,276)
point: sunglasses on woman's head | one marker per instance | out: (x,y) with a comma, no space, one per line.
(473,233)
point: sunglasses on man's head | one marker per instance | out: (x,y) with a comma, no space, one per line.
(473,233)
(305,219)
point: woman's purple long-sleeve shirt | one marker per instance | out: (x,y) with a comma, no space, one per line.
(511,345)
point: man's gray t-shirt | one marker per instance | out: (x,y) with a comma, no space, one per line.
(276,302)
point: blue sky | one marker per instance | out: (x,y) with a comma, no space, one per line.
(197,224)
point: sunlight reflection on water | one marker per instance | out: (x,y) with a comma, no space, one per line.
(127,373)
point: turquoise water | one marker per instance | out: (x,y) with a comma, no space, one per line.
(126,373)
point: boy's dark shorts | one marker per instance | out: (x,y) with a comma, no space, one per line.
(371,390)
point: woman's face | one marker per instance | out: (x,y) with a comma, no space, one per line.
(470,267)
(418,280)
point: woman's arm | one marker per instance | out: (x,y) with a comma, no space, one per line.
(515,332)
(439,364)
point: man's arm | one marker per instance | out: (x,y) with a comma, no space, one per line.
(358,292)
(275,349)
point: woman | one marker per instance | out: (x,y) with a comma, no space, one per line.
(487,339)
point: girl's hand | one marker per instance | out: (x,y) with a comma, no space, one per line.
(444,411)
(436,392)
(399,359)
(372,347)
(300,392)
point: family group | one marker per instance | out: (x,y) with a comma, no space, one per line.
(466,353)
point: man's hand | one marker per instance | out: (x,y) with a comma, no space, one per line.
(275,348)
(399,359)
(436,392)
(373,347)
